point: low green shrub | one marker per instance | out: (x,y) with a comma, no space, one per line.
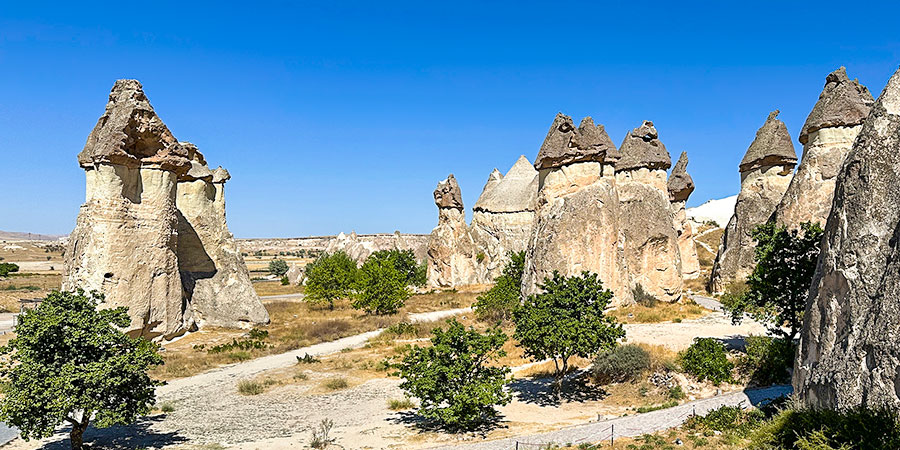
(505,296)
(250,387)
(706,359)
(650,408)
(335,384)
(727,419)
(620,363)
(767,360)
(821,429)
(395,404)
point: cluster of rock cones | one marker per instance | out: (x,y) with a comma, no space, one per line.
(151,234)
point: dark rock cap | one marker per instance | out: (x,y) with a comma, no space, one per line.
(447,194)
(842,103)
(642,148)
(566,144)
(130,133)
(772,146)
(680,184)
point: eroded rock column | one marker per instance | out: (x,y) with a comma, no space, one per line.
(451,252)
(680,187)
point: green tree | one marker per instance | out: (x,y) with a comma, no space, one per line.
(777,289)
(452,378)
(380,287)
(329,278)
(707,359)
(566,320)
(6,268)
(405,262)
(69,362)
(505,296)
(278,267)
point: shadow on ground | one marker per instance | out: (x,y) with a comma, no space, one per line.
(138,435)
(541,391)
(411,419)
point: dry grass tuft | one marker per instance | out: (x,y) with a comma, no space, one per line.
(662,312)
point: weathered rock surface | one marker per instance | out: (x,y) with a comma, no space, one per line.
(827,136)
(848,351)
(126,242)
(765,175)
(503,216)
(359,248)
(578,225)
(680,186)
(452,254)
(216,281)
(652,253)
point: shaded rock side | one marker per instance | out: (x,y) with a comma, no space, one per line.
(827,137)
(503,216)
(765,176)
(216,282)
(848,354)
(452,254)
(125,240)
(652,254)
(680,186)
(577,225)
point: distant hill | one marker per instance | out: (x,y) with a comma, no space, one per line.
(719,211)
(20,236)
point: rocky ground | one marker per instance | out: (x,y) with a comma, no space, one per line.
(209,411)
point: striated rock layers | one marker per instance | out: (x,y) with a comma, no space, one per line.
(765,175)
(848,350)
(578,224)
(216,282)
(651,243)
(680,186)
(503,216)
(452,254)
(827,136)
(126,241)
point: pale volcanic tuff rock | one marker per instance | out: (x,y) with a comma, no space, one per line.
(848,353)
(652,253)
(827,137)
(216,282)
(578,223)
(452,254)
(359,248)
(503,216)
(680,186)
(765,174)
(126,241)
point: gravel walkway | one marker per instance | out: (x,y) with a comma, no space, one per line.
(629,426)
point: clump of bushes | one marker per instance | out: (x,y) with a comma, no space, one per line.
(278,267)
(255,340)
(505,296)
(730,419)
(621,363)
(821,429)
(7,268)
(250,387)
(767,360)
(706,359)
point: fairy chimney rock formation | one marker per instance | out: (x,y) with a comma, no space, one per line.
(680,187)
(503,216)
(577,225)
(827,136)
(451,251)
(765,174)
(216,281)
(652,252)
(126,242)
(848,349)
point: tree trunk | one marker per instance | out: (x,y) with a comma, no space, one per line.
(76,436)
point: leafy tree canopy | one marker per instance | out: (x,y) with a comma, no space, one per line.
(380,287)
(405,262)
(505,296)
(278,267)
(330,277)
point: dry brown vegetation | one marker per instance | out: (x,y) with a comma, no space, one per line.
(27,286)
(293,325)
(661,312)
(267,288)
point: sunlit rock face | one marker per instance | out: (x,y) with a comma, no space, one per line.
(680,186)
(848,353)
(151,234)
(578,224)
(652,254)
(360,247)
(503,216)
(827,137)
(766,172)
(452,254)
(215,279)
(125,240)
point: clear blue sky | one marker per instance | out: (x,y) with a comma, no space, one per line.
(335,116)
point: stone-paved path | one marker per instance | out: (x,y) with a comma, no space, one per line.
(628,426)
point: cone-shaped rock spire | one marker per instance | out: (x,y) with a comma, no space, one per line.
(842,103)
(772,146)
